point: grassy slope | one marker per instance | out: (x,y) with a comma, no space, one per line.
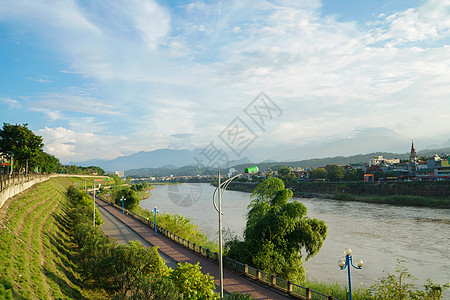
(35,246)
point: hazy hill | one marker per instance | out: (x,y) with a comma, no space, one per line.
(307,163)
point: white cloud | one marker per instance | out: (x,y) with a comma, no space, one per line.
(12,103)
(156,72)
(69,145)
(431,21)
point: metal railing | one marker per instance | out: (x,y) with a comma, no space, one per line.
(266,279)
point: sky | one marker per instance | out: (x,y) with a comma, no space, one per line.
(102,79)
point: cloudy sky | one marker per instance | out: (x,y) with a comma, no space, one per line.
(100,79)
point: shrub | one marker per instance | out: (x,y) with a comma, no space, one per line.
(192,283)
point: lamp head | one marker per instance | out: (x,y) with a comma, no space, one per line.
(348,252)
(251,170)
(341,263)
(359,263)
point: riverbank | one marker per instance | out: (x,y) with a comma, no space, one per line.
(399,200)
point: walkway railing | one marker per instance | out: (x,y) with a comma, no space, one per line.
(269,280)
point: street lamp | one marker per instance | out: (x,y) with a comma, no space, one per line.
(123,199)
(221,187)
(99,185)
(107,198)
(345,262)
(155,211)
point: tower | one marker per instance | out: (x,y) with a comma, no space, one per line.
(413,154)
(413,161)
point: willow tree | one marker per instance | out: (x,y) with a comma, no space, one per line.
(278,233)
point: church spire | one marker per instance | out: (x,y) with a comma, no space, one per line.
(413,154)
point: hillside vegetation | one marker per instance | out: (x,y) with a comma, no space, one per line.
(35,246)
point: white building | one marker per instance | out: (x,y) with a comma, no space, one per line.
(121,174)
(381,161)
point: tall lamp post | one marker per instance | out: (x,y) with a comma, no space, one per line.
(221,187)
(123,199)
(346,262)
(99,185)
(155,211)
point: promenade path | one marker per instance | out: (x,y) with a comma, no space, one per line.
(172,252)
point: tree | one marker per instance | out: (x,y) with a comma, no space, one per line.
(21,142)
(318,173)
(335,173)
(276,233)
(286,175)
(47,163)
(131,199)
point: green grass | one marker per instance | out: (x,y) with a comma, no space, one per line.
(338,291)
(35,247)
(404,200)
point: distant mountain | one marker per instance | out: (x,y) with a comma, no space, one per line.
(161,160)
(147,159)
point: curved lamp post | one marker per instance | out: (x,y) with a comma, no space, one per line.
(221,187)
(155,211)
(346,262)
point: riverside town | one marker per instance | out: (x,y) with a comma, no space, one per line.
(225,149)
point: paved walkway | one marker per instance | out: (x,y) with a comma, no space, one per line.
(232,282)
(115,229)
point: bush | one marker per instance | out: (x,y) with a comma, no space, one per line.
(192,283)
(238,296)
(397,287)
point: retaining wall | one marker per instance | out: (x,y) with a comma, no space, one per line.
(11,185)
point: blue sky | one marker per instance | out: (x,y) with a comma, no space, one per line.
(101,79)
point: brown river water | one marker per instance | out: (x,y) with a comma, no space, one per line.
(378,234)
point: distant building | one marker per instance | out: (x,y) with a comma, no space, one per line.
(121,174)
(232,172)
(384,162)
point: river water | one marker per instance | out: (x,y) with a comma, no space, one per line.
(377,234)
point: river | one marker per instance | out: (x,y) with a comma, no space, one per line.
(377,234)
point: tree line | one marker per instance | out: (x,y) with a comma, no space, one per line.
(23,149)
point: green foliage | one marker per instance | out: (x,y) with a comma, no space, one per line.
(127,193)
(318,173)
(396,286)
(152,287)
(5,292)
(335,173)
(266,190)
(21,142)
(287,176)
(140,187)
(339,291)
(82,207)
(36,251)
(192,283)
(119,267)
(134,271)
(48,163)
(276,232)
(180,225)
(238,296)
(117,179)
(72,169)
